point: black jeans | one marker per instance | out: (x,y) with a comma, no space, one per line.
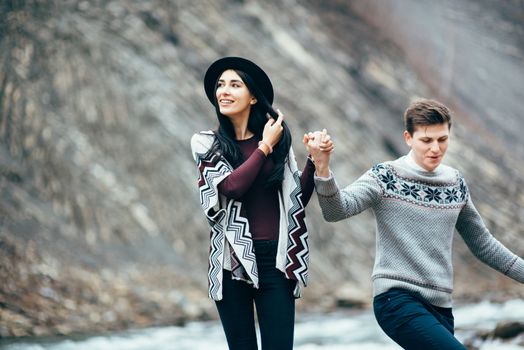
(274,301)
(413,323)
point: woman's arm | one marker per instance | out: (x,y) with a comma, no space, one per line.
(240,180)
(307,183)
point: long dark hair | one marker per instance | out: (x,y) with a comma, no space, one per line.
(225,143)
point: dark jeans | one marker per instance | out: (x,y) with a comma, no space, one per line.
(274,301)
(413,323)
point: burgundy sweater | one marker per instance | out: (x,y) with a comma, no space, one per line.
(260,204)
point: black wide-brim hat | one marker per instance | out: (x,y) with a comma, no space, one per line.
(255,72)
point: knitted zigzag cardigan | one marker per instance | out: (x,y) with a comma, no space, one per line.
(231,244)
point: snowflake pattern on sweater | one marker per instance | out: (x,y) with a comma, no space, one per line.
(421,193)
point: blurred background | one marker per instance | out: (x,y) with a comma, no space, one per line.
(100,224)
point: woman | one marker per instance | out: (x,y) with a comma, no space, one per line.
(253,197)
(418,203)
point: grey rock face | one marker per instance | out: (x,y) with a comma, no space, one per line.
(100,226)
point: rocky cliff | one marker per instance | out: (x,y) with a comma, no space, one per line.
(100,226)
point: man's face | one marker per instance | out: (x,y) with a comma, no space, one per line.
(429,144)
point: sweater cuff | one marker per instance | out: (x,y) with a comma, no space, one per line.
(322,178)
(326,186)
(516,271)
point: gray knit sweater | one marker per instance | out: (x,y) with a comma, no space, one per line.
(416,213)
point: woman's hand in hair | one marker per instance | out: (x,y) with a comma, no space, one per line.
(273,130)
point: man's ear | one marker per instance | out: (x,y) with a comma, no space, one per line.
(408,138)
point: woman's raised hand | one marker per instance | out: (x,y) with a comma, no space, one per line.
(273,130)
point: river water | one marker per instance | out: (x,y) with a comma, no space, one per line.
(336,331)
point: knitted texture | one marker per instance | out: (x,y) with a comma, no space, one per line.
(230,238)
(416,214)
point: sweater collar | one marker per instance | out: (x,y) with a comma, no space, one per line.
(410,160)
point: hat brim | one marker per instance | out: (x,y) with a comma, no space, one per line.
(255,72)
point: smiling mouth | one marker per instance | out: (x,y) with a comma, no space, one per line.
(226,102)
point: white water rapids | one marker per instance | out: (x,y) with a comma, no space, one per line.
(337,331)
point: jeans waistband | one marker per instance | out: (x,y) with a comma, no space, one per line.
(265,243)
(265,249)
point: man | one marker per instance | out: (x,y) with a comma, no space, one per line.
(418,202)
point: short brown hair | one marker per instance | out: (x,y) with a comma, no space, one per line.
(425,112)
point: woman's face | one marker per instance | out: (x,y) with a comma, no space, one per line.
(233,96)
(429,144)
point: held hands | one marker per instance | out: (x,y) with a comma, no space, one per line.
(272,133)
(320,146)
